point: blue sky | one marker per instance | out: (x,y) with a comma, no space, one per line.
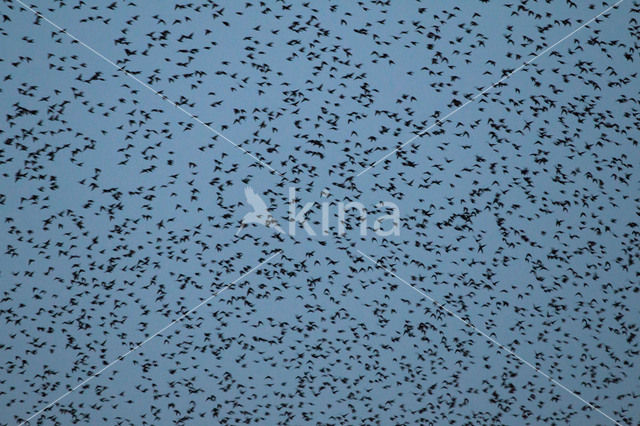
(122,211)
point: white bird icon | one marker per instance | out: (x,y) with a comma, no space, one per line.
(260,213)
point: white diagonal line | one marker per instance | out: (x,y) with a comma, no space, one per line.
(146,86)
(124,355)
(486,89)
(491,339)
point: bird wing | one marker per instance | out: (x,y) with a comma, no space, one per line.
(254,200)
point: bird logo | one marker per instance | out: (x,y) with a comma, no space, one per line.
(260,214)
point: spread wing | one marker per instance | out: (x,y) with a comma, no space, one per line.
(254,200)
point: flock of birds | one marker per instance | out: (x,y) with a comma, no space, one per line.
(505,131)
